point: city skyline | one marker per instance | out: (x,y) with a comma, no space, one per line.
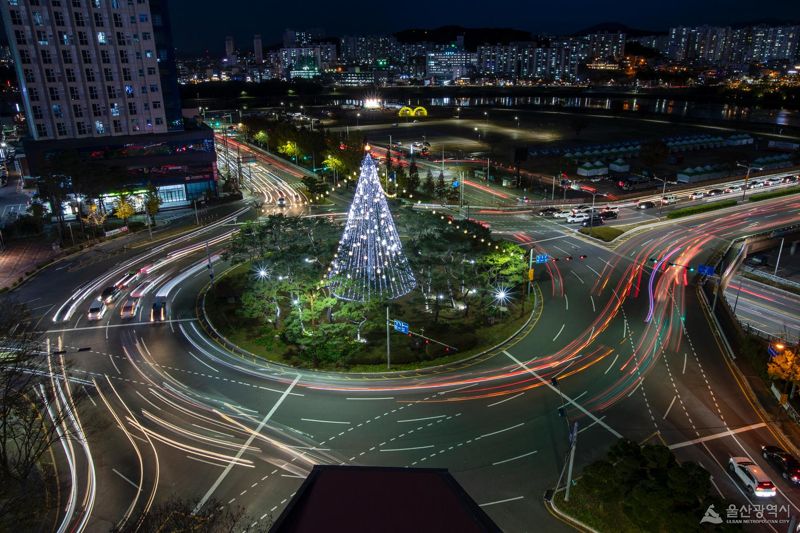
(270,22)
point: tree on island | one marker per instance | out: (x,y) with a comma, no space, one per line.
(429,186)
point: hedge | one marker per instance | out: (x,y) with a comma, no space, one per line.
(604,233)
(774,194)
(713,206)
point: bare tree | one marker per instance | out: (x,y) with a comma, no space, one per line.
(177,514)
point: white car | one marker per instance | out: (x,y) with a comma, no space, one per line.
(610,208)
(669,199)
(577,217)
(734,188)
(752,477)
(96,310)
(773,181)
(696,195)
(562,214)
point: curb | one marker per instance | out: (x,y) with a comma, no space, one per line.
(233,349)
(570,520)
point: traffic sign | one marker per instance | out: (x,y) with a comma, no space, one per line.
(455,184)
(530,274)
(541,258)
(400,326)
(705,270)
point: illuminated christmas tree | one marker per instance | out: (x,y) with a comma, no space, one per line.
(370,263)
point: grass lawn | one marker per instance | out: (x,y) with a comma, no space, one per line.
(604,233)
(222,308)
(597,514)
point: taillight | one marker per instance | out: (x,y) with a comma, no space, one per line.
(766,485)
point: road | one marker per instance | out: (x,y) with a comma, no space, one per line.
(767,309)
(626,339)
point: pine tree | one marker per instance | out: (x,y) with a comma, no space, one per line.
(413,177)
(441,188)
(428,186)
(370,264)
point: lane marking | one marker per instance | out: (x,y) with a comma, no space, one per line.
(203,362)
(728,433)
(501,501)
(564,396)
(590,425)
(245,446)
(500,431)
(507,399)
(406,449)
(117,472)
(514,458)
(420,419)
(612,364)
(359,399)
(577,276)
(685,355)
(125,325)
(566,300)
(670,407)
(559,332)
(594,309)
(324,421)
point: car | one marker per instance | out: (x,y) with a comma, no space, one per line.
(129,309)
(605,215)
(562,214)
(786,465)
(752,477)
(96,310)
(548,212)
(773,181)
(281,202)
(646,205)
(610,208)
(109,294)
(791,179)
(734,188)
(714,192)
(669,199)
(592,221)
(696,195)
(755,185)
(158,313)
(577,217)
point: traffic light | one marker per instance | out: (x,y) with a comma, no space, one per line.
(554,382)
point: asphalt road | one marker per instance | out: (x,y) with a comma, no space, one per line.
(770,310)
(171,412)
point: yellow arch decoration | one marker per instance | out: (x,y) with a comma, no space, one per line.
(420,112)
(405,111)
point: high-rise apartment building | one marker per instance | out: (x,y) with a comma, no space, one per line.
(258,49)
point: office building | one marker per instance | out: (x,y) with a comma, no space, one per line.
(258,49)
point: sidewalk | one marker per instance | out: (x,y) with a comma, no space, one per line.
(20,259)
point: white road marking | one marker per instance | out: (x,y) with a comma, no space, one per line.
(292,475)
(246,445)
(117,472)
(459,388)
(203,362)
(385,398)
(670,407)
(324,421)
(685,355)
(204,461)
(564,396)
(719,435)
(407,449)
(500,431)
(566,300)
(577,276)
(612,364)
(505,400)
(594,310)
(514,458)
(596,273)
(421,419)
(501,501)
(590,425)
(559,332)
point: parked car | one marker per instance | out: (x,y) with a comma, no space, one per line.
(786,465)
(96,310)
(592,221)
(752,477)
(577,217)
(696,195)
(605,215)
(610,208)
(646,205)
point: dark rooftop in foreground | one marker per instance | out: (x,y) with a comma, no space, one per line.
(387,499)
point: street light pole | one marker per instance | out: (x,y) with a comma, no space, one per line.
(388,349)
(749,168)
(663,192)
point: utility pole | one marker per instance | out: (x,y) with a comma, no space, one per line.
(553,194)
(196,215)
(749,168)
(663,192)
(530,267)
(778,262)
(573,445)
(388,343)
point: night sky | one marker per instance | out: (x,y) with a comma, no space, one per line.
(203,24)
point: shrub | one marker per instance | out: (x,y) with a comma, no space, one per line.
(713,206)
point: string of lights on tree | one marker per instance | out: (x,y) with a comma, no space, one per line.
(370,263)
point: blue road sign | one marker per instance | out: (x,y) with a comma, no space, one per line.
(455,184)
(541,258)
(772,352)
(400,326)
(705,270)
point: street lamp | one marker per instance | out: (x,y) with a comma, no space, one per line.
(749,168)
(486,116)
(458,112)
(358,118)
(478,133)
(517,119)
(663,192)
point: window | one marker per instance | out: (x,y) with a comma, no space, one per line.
(54,94)
(19,36)
(117,20)
(115,109)
(77,110)
(129,90)
(115,4)
(98,20)
(101,37)
(121,39)
(47,58)
(151,71)
(66,56)
(16,19)
(41,129)
(29,75)
(111,91)
(131,108)
(123,56)
(97,3)
(142,17)
(33,94)
(148,54)
(97,111)
(157,19)
(64,38)
(143,89)
(159,121)
(58,18)
(76,3)
(99,127)
(86,56)
(41,37)
(24,57)
(82,129)
(126,74)
(50,75)
(37,112)
(74,94)
(57,112)
(89,74)
(146,106)
(146,36)
(149,123)
(37,18)
(108,74)
(79,20)
(70,72)
(61,128)
(83,38)
(156,105)
(153,87)
(93,93)
(105,57)
(117,126)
